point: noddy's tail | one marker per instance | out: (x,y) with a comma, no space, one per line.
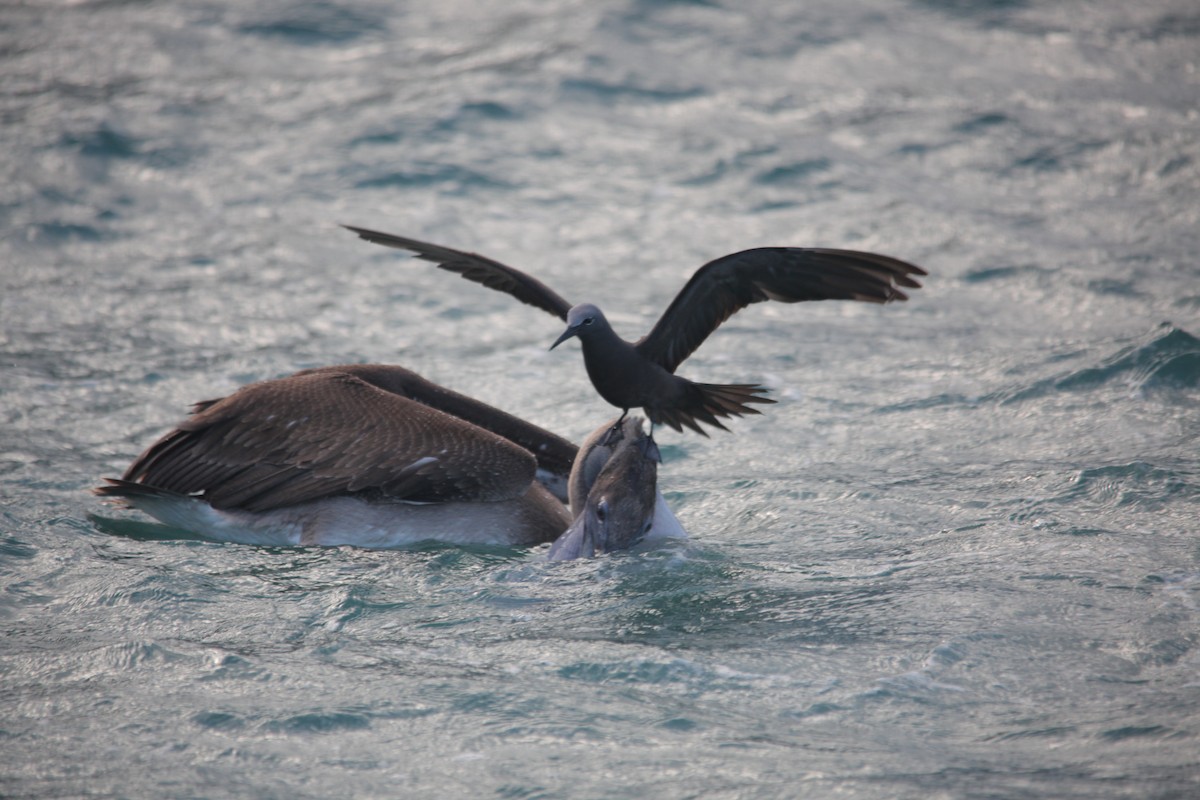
(705,402)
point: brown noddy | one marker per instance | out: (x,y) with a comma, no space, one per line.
(641,374)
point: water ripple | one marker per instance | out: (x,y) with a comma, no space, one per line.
(1168,359)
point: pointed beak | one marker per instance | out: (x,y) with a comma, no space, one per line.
(572,330)
(577,541)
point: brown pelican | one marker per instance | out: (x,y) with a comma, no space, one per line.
(376,456)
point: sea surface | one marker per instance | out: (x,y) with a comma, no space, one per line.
(959,559)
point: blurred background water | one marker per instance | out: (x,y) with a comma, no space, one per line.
(959,558)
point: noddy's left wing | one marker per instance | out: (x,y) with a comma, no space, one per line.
(787,274)
(477,268)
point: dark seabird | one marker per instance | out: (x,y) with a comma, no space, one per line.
(368,455)
(641,374)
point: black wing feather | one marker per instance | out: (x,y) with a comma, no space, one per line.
(722,287)
(476,268)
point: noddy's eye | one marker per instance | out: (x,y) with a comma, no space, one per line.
(587,321)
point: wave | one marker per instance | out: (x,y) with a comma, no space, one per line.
(1167,359)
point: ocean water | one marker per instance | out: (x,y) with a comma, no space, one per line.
(959,559)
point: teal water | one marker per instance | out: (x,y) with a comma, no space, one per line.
(958,559)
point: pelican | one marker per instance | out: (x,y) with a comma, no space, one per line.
(374,455)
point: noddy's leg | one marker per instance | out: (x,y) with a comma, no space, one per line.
(616,427)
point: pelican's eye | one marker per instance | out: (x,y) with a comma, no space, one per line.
(602,510)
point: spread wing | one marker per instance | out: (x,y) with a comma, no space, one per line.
(787,274)
(301,438)
(477,268)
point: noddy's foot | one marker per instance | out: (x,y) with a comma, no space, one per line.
(650,450)
(650,447)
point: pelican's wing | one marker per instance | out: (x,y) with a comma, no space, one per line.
(477,268)
(787,274)
(278,443)
(555,455)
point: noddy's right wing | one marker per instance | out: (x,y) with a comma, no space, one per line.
(477,268)
(728,284)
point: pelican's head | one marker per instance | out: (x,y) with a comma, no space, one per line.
(620,505)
